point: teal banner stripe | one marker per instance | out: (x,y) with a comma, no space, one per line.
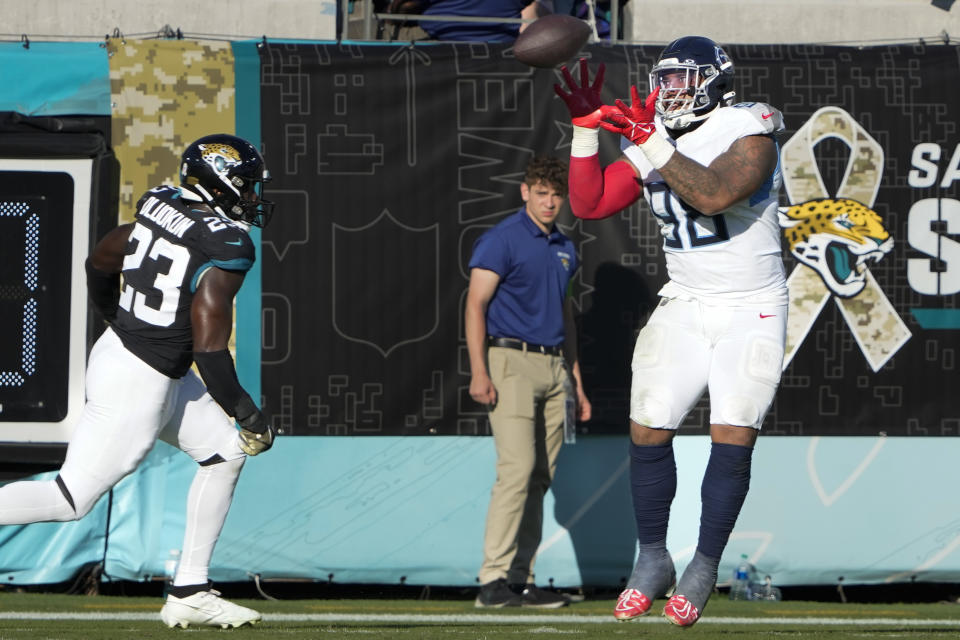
(937,318)
(55,78)
(247,78)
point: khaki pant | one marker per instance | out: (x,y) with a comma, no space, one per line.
(527,425)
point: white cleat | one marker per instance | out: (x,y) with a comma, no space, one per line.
(206,608)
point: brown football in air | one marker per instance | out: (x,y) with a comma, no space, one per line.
(551,40)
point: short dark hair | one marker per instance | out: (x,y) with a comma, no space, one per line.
(548,170)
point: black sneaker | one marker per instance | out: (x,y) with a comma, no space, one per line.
(537,598)
(497,594)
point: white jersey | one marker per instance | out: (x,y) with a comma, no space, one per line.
(733,256)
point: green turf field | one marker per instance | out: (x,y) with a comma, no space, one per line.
(26,616)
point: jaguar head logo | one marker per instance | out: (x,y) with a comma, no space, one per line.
(836,238)
(220,157)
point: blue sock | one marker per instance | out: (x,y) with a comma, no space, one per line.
(724,488)
(653,482)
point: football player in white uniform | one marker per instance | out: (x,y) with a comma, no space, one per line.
(183,260)
(709,171)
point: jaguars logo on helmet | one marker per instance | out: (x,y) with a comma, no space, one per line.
(226,172)
(219,156)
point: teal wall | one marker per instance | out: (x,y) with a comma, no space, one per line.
(382,509)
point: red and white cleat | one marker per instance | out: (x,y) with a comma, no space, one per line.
(631,604)
(681,611)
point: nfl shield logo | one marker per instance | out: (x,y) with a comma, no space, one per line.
(386,290)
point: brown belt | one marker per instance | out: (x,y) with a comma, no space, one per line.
(513,343)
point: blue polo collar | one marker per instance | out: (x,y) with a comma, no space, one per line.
(535,230)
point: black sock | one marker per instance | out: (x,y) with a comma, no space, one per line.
(188,590)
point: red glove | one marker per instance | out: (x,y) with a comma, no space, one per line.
(583,100)
(636,121)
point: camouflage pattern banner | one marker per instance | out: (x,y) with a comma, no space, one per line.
(165,94)
(390,160)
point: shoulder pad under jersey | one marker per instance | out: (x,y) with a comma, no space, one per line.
(760,117)
(227,245)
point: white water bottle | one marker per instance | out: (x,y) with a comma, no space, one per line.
(742,576)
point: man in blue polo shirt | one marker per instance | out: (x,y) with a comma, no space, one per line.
(521,340)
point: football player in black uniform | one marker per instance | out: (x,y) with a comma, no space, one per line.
(183,260)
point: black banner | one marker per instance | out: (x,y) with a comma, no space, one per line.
(390,160)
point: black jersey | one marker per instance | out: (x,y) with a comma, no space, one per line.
(173,242)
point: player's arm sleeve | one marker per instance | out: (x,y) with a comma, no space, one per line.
(220,376)
(597,193)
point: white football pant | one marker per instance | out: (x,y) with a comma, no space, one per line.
(687,347)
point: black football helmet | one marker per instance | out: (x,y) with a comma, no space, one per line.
(695,77)
(227,173)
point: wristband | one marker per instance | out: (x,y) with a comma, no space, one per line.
(585,142)
(657,150)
